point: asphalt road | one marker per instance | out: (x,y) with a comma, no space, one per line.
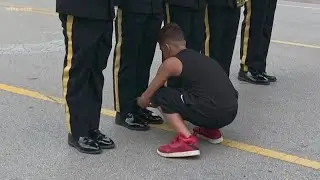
(283,117)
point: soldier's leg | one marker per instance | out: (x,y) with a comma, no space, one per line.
(197,27)
(79,89)
(267,31)
(144,62)
(221,30)
(129,35)
(252,61)
(96,82)
(214,22)
(230,35)
(182,17)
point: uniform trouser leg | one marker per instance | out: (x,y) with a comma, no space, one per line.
(147,51)
(221,32)
(253,42)
(88,43)
(267,29)
(191,23)
(135,46)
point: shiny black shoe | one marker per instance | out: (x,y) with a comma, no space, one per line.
(131,122)
(269,77)
(253,77)
(84,144)
(149,116)
(103,141)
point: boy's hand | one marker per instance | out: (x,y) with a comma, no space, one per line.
(143,102)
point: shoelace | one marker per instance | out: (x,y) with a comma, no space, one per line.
(175,140)
(149,114)
(99,134)
(88,140)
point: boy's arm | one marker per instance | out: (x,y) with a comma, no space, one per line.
(170,67)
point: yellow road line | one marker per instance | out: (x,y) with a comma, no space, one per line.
(227,142)
(296,44)
(22,8)
(297,6)
(293,43)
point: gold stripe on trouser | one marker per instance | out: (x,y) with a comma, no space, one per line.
(207,28)
(66,70)
(168,18)
(247,20)
(116,63)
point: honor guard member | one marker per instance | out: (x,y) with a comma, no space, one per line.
(221,27)
(87,29)
(189,15)
(255,40)
(137,25)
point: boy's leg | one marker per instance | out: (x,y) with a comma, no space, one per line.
(210,130)
(214,136)
(171,103)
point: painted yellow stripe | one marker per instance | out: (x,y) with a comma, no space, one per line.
(23,8)
(297,6)
(9,7)
(227,142)
(296,44)
(293,43)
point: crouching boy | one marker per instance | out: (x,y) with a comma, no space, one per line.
(198,91)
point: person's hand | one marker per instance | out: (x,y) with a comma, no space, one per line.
(143,102)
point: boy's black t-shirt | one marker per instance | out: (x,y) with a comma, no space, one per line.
(204,83)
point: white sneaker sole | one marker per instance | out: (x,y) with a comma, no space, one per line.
(212,141)
(179,154)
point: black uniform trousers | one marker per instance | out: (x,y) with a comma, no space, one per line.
(256,34)
(88,43)
(221,24)
(191,22)
(136,40)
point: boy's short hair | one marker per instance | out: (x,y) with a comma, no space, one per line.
(172,32)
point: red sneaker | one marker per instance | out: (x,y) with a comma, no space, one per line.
(212,135)
(181,146)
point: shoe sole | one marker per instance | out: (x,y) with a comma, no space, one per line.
(134,129)
(179,154)
(152,122)
(212,141)
(156,123)
(82,151)
(252,82)
(272,80)
(108,147)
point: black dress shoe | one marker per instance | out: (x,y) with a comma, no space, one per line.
(149,116)
(269,77)
(253,77)
(84,144)
(131,122)
(103,141)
